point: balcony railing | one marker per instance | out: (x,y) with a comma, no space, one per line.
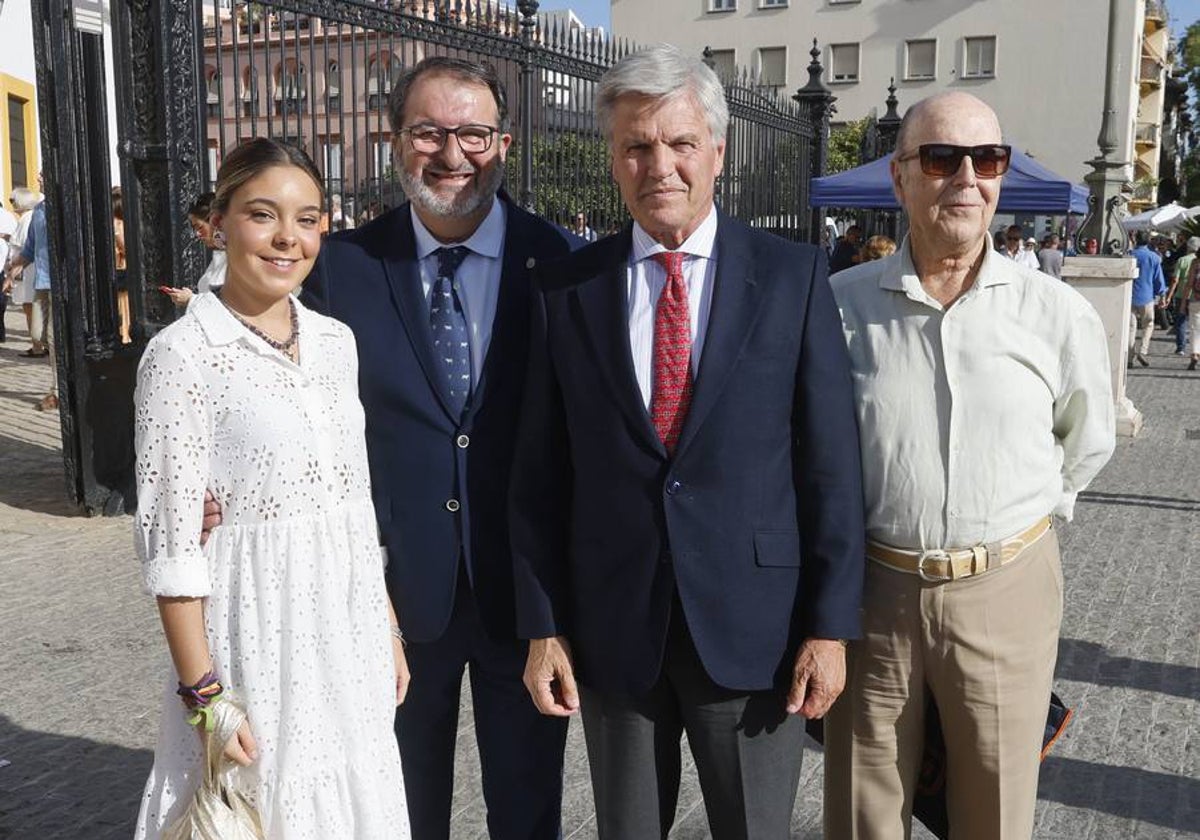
(1156,11)
(1147,134)
(1151,70)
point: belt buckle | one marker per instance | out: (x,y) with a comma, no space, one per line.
(933,554)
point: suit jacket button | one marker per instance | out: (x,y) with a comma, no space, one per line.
(673,488)
(530,263)
(462,441)
(452,505)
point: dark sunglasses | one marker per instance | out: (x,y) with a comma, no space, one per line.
(941,160)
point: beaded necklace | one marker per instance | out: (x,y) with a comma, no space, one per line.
(288,345)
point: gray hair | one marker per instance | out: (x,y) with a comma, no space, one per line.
(24,199)
(663,72)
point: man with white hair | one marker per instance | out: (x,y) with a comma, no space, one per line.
(686,499)
(984,407)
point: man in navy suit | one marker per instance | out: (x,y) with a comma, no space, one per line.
(686,504)
(437,293)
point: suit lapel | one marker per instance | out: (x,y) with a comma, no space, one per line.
(604,302)
(511,304)
(735,307)
(404,277)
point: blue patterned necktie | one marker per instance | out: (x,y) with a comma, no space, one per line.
(451,337)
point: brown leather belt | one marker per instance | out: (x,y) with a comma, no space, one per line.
(938,564)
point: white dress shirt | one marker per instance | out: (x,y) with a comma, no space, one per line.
(646,279)
(975,420)
(478,276)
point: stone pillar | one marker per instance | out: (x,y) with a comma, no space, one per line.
(1107,283)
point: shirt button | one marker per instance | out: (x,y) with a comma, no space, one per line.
(673,488)
(452,505)
(463,441)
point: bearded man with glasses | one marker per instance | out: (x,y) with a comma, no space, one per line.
(984,408)
(437,293)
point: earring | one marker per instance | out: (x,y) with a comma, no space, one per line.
(219,239)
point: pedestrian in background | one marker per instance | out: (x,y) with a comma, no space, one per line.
(36,252)
(878,247)
(120,282)
(1148,288)
(8,226)
(1050,257)
(23,201)
(1176,294)
(845,252)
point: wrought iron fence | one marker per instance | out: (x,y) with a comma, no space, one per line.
(319,72)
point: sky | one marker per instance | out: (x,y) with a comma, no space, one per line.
(1183,13)
(596,12)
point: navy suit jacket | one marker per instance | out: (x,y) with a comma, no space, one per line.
(757,520)
(424,460)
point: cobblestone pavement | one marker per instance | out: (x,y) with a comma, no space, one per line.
(83,662)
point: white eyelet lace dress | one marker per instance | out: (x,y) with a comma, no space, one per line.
(296,609)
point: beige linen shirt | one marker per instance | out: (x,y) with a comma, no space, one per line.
(975,420)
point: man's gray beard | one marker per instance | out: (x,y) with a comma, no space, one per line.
(464,204)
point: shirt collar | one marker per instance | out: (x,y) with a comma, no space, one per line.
(486,241)
(222,327)
(991,272)
(699,244)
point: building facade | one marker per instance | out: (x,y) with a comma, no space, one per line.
(19,151)
(1039,63)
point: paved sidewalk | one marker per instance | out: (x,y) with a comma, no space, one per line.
(83,662)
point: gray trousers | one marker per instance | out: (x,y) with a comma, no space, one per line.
(747,751)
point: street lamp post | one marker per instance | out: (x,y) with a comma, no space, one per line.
(1107,180)
(1106,279)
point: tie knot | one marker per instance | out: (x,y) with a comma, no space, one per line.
(671,261)
(449,259)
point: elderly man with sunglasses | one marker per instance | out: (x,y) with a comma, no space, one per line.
(984,407)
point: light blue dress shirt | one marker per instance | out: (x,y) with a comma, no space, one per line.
(478,276)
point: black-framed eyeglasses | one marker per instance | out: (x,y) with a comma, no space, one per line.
(941,160)
(473,138)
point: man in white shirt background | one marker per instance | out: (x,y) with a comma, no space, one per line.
(1015,250)
(984,407)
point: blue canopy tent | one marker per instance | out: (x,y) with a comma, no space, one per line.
(1028,187)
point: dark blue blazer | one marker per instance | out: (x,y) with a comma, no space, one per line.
(423,459)
(757,521)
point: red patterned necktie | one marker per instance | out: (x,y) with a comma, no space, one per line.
(671,394)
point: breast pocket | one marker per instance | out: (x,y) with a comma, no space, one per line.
(777,549)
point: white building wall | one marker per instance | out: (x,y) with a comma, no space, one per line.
(1048,87)
(16,61)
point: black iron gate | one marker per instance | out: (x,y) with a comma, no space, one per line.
(192,78)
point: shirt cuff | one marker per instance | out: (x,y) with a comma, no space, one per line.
(1066,505)
(185,576)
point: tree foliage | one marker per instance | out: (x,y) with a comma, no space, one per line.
(1188,56)
(571,173)
(845,147)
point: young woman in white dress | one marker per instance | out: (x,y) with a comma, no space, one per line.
(255,398)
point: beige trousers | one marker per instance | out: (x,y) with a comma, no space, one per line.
(1141,318)
(984,647)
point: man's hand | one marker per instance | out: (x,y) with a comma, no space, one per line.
(818,677)
(550,677)
(212,516)
(403,678)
